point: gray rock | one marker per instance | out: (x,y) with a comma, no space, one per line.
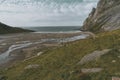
(93,56)
(91,70)
(115,78)
(105,17)
(32,66)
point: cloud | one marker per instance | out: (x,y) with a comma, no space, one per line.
(45,12)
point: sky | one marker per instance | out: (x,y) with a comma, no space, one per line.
(26,13)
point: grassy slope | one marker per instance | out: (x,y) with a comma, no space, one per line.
(4,29)
(61,63)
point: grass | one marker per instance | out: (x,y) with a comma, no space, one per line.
(61,63)
(5,29)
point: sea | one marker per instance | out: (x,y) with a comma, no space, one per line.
(55,29)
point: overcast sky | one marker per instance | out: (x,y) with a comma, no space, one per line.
(45,12)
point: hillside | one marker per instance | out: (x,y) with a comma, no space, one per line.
(105,17)
(93,58)
(4,29)
(63,63)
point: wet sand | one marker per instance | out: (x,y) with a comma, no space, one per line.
(17,47)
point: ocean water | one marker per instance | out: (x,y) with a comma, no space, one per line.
(55,29)
(45,12)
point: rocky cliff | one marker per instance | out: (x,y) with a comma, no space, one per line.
(7,29)
(105,17)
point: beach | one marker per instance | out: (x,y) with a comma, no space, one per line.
(22,46)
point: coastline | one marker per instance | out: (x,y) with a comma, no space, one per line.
(59,32)
(39,42)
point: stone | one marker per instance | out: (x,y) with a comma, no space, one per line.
(115,78)
(38,54)
(91,70)
(93,56)
(32,66)
(118,56)
(3,44)
(3,77)
(113,61)
(105,17)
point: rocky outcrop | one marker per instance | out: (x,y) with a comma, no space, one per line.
(93,56)
(7,29)
(105,17)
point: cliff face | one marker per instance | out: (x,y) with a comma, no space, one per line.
(7,29)
(105,17)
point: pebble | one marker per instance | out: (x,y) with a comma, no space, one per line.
(3,44)
(118,56)
(38,54)
(113,61)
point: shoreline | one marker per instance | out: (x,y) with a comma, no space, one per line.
(61,32)
(42,41)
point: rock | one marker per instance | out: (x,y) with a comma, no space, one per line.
(115,78)
(118,56)
(72,72)
(3,44)
(3,77)
(38,54)
(93,56)
(105,17)
(92,70)
(113,61)
(32,66)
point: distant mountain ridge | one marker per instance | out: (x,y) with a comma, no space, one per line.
(4,29)
(105,17)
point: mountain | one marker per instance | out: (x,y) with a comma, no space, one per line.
(105,17)
(7,29)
